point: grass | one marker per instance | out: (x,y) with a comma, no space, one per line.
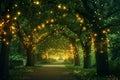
(88,74)
(19,72)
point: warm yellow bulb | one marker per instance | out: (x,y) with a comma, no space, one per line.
(1,24)
(15,18)
(77,15)
(84,28)
(36,2)
(4,33)
(52,20)
(13,32)
(104,32)
(15,5)
(108,30)
(18,12)
(4,39)
(8,16)
(39,27)
(43,25)
(7,43)
(12,27)
(51,12)
(47,21)
(95,34)
(64,7)
(81,21)
(34,29)
(59,6)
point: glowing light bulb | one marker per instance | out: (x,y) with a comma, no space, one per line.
(8,16)
(108,30)
(34,29)
(18,12)
(16,5)
(43,25)
(4,33)
(7,43)
(51,12)
(81,21)
(4,39)
(59,6)
(104,32)
(36,2)
(39,27)
(64,7)
(84,28)
(15,18)
(52,20)
(47,21)
(95,34)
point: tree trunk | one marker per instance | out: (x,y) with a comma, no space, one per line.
(76,54)
(87,56)
(30,57)
(77,60)
(101,55)
(4,62)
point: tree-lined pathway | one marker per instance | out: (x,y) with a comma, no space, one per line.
(50,72)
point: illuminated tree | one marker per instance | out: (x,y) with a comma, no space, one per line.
(100,15)
(6,30)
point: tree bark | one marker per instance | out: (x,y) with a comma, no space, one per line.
(4,62)
(101,55)
(30,57)
(87,56)
(76,54)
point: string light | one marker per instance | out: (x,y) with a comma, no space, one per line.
(18,12)
(64,7)
(36,2)
(84,28)
(39,27)
(51,12)
(8,16)
(4,39)
(81,21)
(47,21)
(16,5)
(108,30)
(4,33)
(59,6)
(52,20)
(35,29)
(95,34)
(15,18)
(7,43)
(104,32)
(43,25)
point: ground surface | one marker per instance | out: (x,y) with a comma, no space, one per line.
(50,72)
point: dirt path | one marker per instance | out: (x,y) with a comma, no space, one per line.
(50,72)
